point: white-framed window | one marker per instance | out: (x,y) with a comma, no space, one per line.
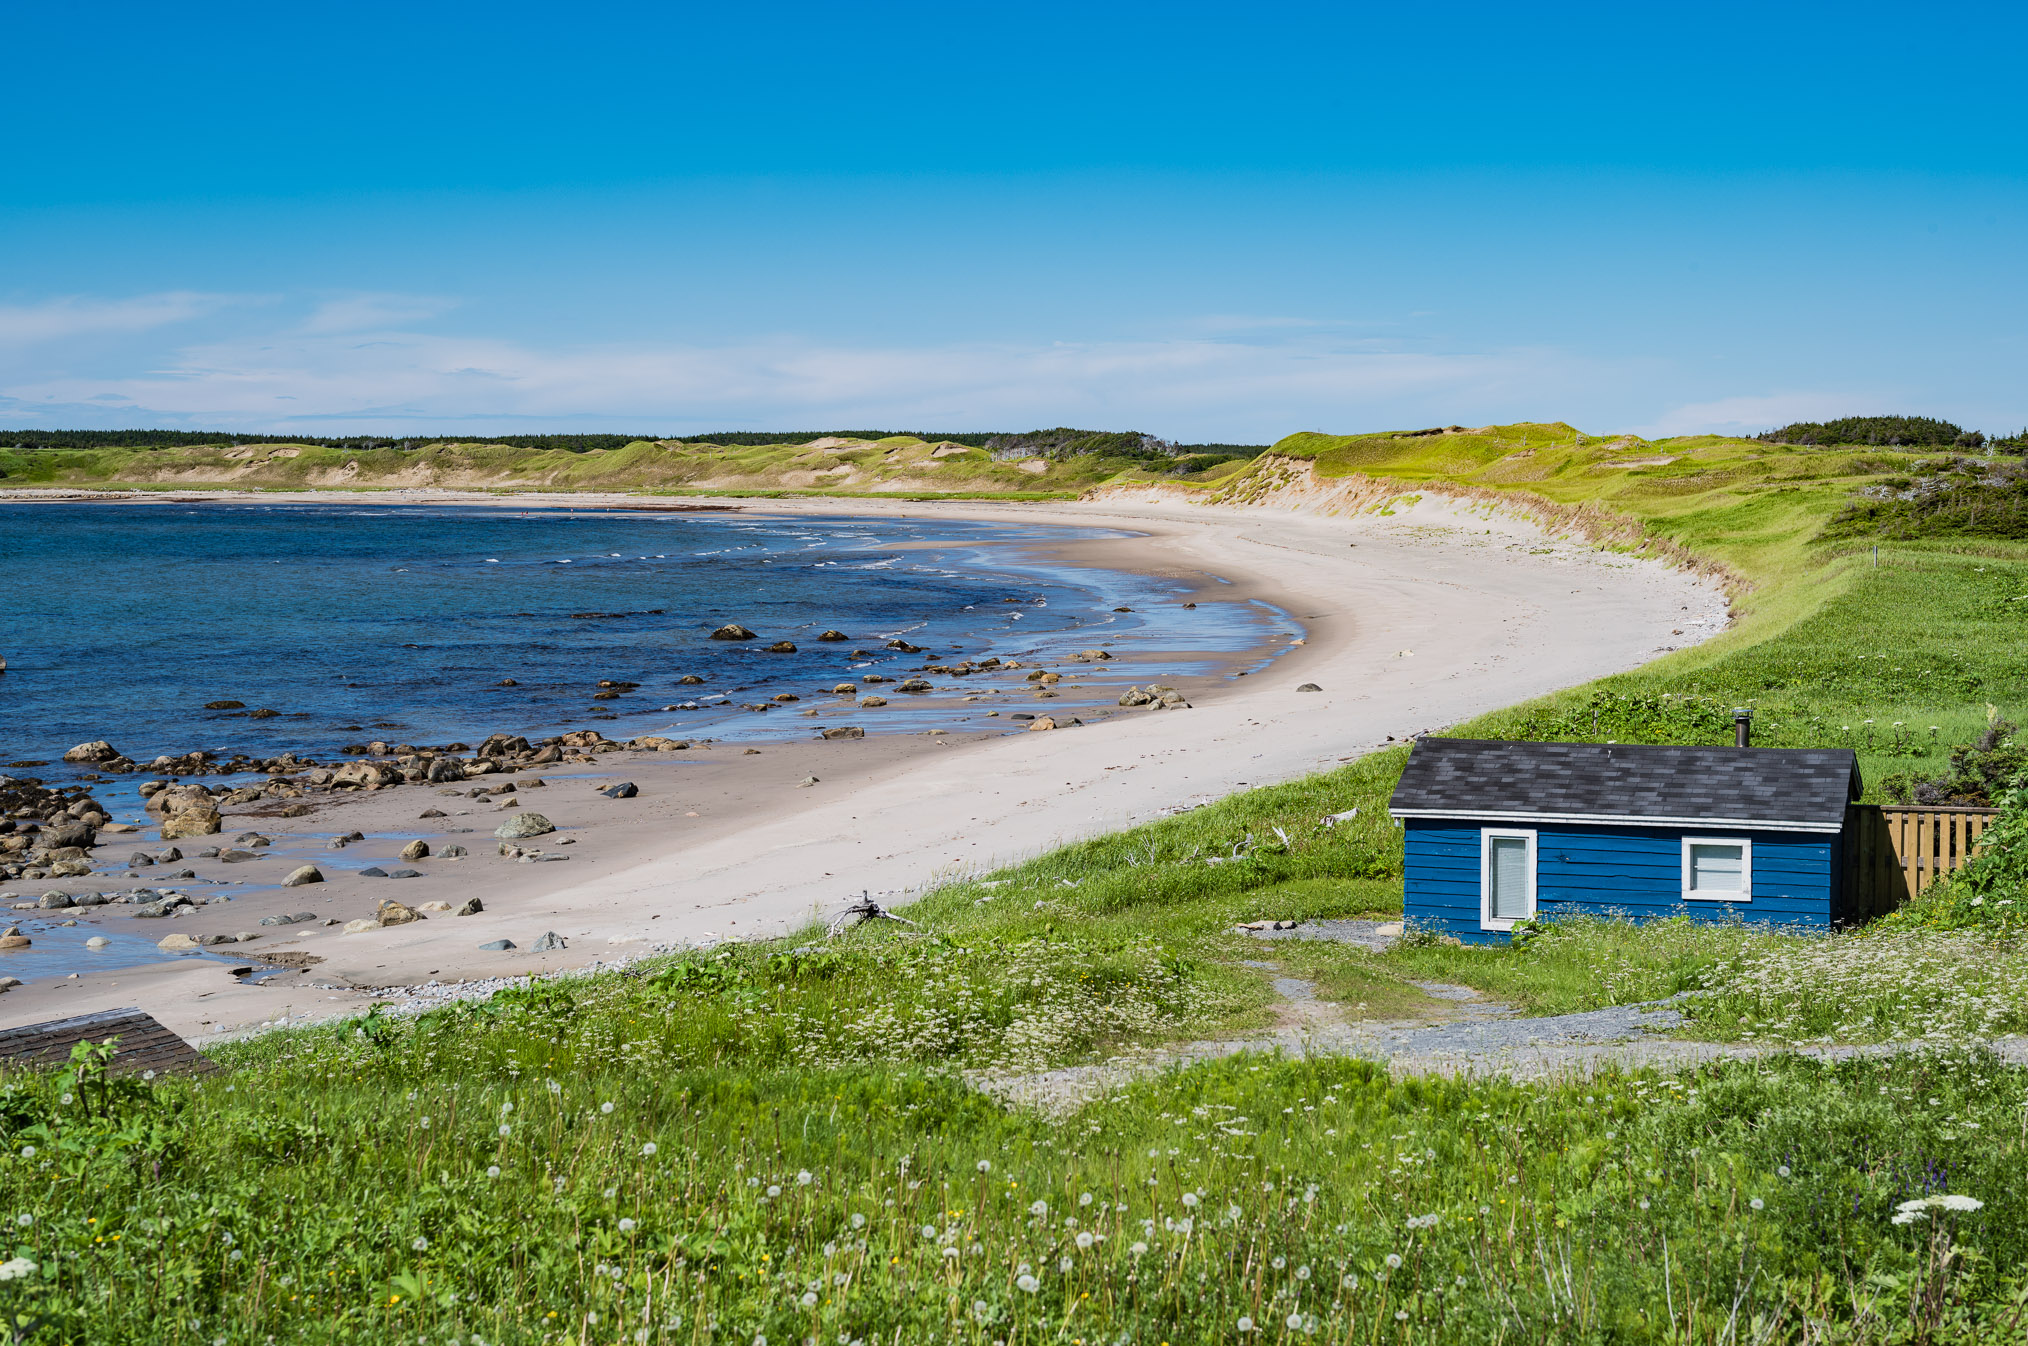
(1717,869)
(1506,877)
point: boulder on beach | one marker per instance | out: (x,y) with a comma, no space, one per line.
(14,939)
(471,906)
(360,927)
(549,942)
(177,943)
(733,631)
(916,685)
(55,901)
(433,906)
(495,945)
(431,813)
(524,825)
(1309,687)
(302,875)
(625,789)
(806,782)
(361,776)
(391,912)
(373,872)
(98,750)
(872,702)
(296,811)
(1134,696)
(1041,722)
(1091,656)
(845,731)
(452,853)
(192,823)
(416,850)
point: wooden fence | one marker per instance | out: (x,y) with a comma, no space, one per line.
(1893,853)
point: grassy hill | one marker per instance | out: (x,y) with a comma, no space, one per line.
(900,465)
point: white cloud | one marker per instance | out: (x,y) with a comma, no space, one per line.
(364,312)
(323,373)
(73,316)
(1751,415)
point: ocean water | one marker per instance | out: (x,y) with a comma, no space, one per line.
(357,621)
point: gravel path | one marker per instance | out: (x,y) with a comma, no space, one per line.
(1479,1038)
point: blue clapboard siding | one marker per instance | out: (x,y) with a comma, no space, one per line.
(1635,872)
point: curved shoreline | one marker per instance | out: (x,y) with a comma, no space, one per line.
(1412,622)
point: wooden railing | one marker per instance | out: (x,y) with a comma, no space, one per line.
(1894,852)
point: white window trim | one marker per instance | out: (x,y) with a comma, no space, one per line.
(1745,845)
(1487,921)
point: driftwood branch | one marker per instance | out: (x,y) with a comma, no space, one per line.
(864,910)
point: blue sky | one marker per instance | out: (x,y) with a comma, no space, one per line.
(1207,222)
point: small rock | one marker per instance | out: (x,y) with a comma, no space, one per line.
(433,906)
(208,940)
(452,853)
(1134,696)
(471,906)
(834,635)
(845,731)
(524,825)
(405,874)
(98,750)
(177,943)
(140,860)
(806,782)
(360,927)
(394,913)
(1309,687)
(306,874)
(872,702)
(416,850)
(782,647)
(549,943)
(98,942)
(687,680)
(236,856)
(914,685)
(432,813)
(55,901)
(625,789)
(732,631)
(225,705)
(373,872)
(17,940)
(498,944)
(1091,656)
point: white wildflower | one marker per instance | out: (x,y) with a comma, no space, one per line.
(14,1268)
(1028,1283)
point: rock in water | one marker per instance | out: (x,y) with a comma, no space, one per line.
(307,874)
(914,685)
(140,860)
(872,702)
(1091,656)
(834,635)
(623,790)
(416,850)
(845,731)
(549,943)
(177,943)
(497,944)
(524,825)
(98,750)
(782,647)
(225,705)
(690,680)
(471,906)
(98,942)
(733,631)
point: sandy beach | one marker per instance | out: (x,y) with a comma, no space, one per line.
(1411,622)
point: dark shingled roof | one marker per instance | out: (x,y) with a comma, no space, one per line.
(144,1044)
(1738,787)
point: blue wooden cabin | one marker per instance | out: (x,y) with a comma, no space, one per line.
(1499,832)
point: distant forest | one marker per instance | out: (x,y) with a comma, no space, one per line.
(1882,431)
(1061,442)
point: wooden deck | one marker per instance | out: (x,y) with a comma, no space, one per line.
(144,1044)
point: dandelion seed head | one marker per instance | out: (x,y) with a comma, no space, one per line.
(1394,1261)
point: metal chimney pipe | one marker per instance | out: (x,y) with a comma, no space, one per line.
(1742,726)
